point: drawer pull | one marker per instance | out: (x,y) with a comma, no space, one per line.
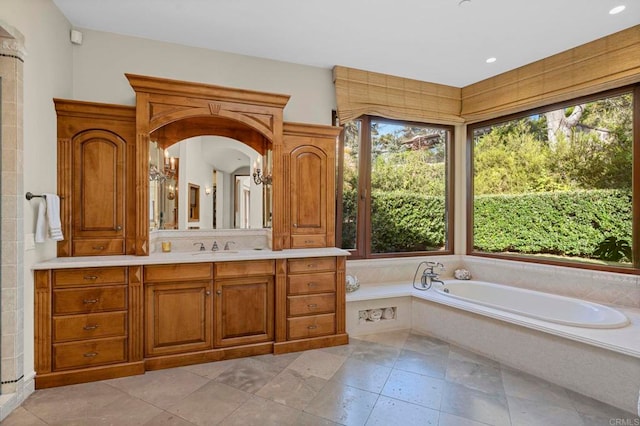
(100,248)
(90,277)
(311,265)
(312,284)
(308,241)
(90,354)
(312,305)
(312,327)
(90,301)
(90,327)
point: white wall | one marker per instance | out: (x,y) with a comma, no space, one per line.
(100,63)
(48,73)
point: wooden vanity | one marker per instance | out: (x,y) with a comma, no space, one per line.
(107,307)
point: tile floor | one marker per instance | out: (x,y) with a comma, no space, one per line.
(398,378)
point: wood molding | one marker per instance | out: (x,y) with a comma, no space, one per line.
(42,319)
(136,317)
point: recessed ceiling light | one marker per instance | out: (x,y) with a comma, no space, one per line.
(490,60)
(617,9)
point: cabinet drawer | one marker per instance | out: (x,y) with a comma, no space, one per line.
(324,282)
(87,300)
(89,326)
(179,271)
(98,247)
(318,325)
(308,241)
(89,276)
(311,305)
(87,354)
(316,264)
(244,269)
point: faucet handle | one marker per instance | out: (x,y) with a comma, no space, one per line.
(214,247)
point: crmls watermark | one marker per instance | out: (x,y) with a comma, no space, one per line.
(624,422)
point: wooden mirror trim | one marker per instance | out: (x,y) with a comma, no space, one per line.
(161,101)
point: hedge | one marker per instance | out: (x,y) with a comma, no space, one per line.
(570,223)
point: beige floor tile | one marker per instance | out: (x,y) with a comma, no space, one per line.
(414,388)
(447,419)
(248,375)
(292,389)
(210,404)
(433,364)
(533,413)
(376,353)
(396,339)
(389,411)
(261,412)
(162,388)
(480,377)
(210,370)
(281,361)
(21,417)
(475,405)
(343,404)
(168,419)
(306,419)
(317,363)
(362,375)
(422,343)
(55,405)
(525,386)
(123,411)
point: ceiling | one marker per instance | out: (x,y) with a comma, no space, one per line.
(439,41)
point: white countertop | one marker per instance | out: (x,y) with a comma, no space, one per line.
(186,257)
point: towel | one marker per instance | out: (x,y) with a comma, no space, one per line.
(53,217)
(41,223)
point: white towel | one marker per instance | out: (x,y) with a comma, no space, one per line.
(41,223)
(53,217)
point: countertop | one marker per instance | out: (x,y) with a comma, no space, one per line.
(185,257)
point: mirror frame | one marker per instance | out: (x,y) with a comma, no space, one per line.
(183,109)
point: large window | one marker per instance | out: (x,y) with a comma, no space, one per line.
(556,184)
(395,193)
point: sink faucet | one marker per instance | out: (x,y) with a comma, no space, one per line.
(214,247)
(226,246)
(429,276)
(201,246)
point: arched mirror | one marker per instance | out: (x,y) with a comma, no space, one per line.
(207,182)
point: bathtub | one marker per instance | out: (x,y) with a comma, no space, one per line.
(534,304)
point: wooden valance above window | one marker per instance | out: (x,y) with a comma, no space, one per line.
(607,63)
(361,92)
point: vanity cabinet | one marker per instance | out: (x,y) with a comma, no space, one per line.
(96,154)
(83,326)
(244,303)
(178,308)
(309,170)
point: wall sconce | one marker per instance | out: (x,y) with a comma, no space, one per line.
(258,177)
(207,190)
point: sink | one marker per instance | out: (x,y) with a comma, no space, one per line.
(214,253)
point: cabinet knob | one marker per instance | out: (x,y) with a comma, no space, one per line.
(312,327)
(219,292)
(295,225)
(119,228)
(207,292)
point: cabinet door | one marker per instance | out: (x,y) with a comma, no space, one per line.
(99,192)
(244,311)
(178,317)
(309,186)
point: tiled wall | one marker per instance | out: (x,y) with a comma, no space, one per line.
(597,286)
(12,253)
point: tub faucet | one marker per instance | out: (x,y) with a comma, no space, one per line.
(201,246)
(429,276)
(226,246)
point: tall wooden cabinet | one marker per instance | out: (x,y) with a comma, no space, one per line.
(96,162)
(309,170)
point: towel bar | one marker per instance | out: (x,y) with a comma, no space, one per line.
(30,195)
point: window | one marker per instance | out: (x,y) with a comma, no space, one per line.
(395,193)
(555,185)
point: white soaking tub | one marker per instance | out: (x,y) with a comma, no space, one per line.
(534,304)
